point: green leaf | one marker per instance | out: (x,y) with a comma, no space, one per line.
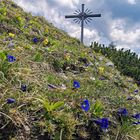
(37,57)
(98,109)
(50,106)
(47,106)
(57,105)
(2,55)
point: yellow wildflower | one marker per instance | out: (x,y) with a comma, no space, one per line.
(45,42)
(67,56)
(46,30)
(101,70)
(11,35)
(12,111)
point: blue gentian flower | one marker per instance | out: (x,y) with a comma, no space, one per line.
(11,58)
(10,100)
(23,88)
(136,116)
(85,105)
(76,84)
(136,123)
(35,40)
(122,111)
(104,123)
(136,91)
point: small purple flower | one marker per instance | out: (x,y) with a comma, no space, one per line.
(104,123)
(102,78)
(130,98)
(122,111)
(35,40)
(136,116)
(10,100)
(86,64)
(11,58)
(76,84)
(85,105)
(23,88)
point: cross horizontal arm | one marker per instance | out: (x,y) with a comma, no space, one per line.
(92,15)
(72,16)
(85,16)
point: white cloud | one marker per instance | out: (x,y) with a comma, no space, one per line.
(124,37)
(120,34)
(108,28)
(126,47)
(89,35)
(59,20)
(67,3)
(131,1)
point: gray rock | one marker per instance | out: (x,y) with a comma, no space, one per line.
(110,64)
(11,45)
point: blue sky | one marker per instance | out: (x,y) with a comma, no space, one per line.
(120,21)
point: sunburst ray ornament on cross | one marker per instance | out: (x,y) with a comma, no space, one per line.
(81,16)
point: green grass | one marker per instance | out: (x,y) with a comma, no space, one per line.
(37,66)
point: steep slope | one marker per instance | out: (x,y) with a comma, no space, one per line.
(52,87)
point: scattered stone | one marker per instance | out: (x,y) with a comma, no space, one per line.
(101,58)
(97,63)
(92,78)
(109,64)
(11,45)
(138,97)
(50,86)
(62,87)
(63,76)
(90,63)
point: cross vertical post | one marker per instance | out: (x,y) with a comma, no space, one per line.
(81,16)
(82,24)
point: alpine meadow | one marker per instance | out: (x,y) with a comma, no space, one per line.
(52,87)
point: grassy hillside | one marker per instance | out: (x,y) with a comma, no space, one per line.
(52,87)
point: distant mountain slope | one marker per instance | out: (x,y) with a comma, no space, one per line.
(52,87)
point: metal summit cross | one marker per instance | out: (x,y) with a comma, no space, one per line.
(81,16)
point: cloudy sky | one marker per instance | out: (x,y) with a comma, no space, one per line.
(120,21)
